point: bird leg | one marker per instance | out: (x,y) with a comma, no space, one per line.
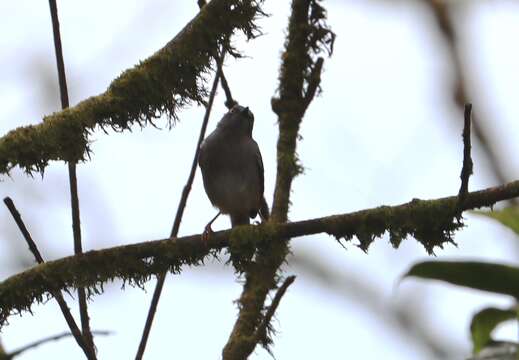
(207,230)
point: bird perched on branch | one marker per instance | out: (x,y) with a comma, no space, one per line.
(232,169)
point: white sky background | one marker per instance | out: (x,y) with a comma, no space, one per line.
(384,131)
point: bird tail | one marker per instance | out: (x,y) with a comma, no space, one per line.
(242,219)
(264,210)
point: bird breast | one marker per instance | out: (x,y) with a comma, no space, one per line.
(230,174)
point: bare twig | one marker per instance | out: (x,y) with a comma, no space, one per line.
(161,278)
(262,331)
(55,292)
(229,102)
(466,169)
(423,219)
(443,15)
(178,218)
(30,346)
(23,229)
(74,198)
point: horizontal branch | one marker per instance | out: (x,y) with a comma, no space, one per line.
(171,78)
(431,222)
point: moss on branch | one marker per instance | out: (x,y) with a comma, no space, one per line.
(168,80)
(299,81)
(135,264)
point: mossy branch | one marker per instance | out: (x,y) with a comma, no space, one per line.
(168,80)
(426,220)
(299,80)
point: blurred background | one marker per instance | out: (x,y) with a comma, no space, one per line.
(386,129)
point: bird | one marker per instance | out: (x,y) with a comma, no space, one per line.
(232,169)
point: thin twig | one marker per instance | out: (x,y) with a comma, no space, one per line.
(467,167)
(185,192)
(262,330)
(314,82)
(443,15)
(74,198)
(32,345)
(76,229)
(59,54)
(229,101)
(57,295)
(178,217)
(23,229)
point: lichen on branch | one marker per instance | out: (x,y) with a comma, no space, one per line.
(169,79)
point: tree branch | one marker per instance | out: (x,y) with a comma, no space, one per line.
(178,217)
(161,84)
(466,169)
(299,79)
(136,263)
(442,11)
(56,293)
(74,198)
(32,345)
(262,333)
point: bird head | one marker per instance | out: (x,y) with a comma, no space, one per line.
(239,119)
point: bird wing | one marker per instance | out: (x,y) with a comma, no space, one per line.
(264,208)
(259,163)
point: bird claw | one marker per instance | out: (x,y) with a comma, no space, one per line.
(206,234)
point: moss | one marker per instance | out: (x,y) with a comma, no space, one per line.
(162,84)
(432,223)
(244,240)
(133,264)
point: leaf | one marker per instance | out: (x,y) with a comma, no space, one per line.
(484,322)
(497,278)
(509,217)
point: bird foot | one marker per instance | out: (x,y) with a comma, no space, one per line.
(207,233)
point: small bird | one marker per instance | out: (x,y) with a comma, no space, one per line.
(232,169)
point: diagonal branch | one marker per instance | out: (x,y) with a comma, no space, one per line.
(431,222)
(178,217)
(262,333)
(162,84)
(56,293)
(161,278)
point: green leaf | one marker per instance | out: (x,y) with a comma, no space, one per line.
(484,322)
(509,217)
(497,278)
